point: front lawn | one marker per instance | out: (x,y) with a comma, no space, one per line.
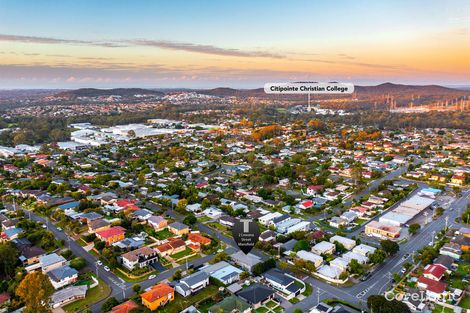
(294,300)
(181,302)
(271,304)
(261,309)
(94,295)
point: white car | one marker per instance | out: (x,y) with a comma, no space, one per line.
(152,276)
(403,270)
(99,262)
(107,269)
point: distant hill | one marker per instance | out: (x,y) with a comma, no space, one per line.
(399,88)
(92,92)
(385,88)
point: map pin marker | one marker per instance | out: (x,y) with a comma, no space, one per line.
(246,234)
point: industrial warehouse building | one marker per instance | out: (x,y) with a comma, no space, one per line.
(406,211)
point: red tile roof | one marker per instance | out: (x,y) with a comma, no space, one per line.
(111,232)
(125,307)
(157,292)
(433,285)
(436,270)
(198,238)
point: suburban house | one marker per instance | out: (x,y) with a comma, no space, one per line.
(231,304)
(451,249)
(435,290)
(246,261)
(256,295)
(346,242)
(434,271)
(157,296)
(139,258)
(364,250)
(226,220)
(311,257)
(98,225)
(178,228)
(125,307)
(31,254)
(68,295)
(192,283)
(197,239)
(267,236)
(282,282)
(111,235)
(445,261)
(324,247)
(51,261)
(62,276)
(157,222)
(223,272)
(172,246)
(314,190)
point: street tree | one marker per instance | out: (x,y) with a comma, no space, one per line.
(35,290)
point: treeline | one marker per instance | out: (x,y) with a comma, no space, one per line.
(35,131)
(387,120)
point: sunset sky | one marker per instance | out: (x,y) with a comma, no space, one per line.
(69,44)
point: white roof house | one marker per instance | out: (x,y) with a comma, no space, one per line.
(340,263)
(363,249)
(309,256)
(267,219)
(355,256)
(346,242)
(324,247)
(329,272)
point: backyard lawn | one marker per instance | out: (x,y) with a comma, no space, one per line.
(163,234)
(93,295)
(465,303)
(182,254)
(438,309)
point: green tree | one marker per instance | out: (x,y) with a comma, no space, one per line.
(378,256)
(8,259)
(109,304)
(390,247)
(380,304)
(35,290)
(78,263)
(190,219)
(177,275)
(355,267)
(413,229)
(136,288)
(301,245)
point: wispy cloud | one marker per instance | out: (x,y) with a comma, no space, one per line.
(207,49)
(161,44)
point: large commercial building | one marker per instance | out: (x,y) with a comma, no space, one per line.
(406,211)
(381,230)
